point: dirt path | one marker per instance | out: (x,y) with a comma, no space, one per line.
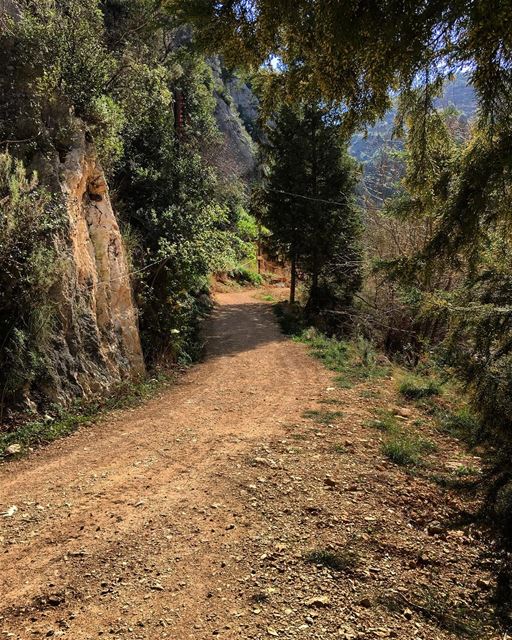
(116,523)
(193,516)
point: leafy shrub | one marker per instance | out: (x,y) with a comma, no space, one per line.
(246,276)
(291,319)
(107,121)
(28,271)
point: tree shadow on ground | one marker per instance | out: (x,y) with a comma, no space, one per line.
(237,328)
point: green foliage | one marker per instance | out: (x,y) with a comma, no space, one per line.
(401,446)
(291,319)
(355,360)
(406,449)
(455,280)
(58,61)
(309,203)
(332,40)
(454,204)
(333,353)
(462,424)
(385,421)
(465,471)
(28,271)
(246,276)
(107,120)
(323,417)
(189,225)
(478,344)
(414,387)
(340,448)
(117,70)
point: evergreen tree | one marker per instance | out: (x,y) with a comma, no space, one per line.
(310,206)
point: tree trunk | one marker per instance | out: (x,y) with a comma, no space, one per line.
(313,302)
(313,294)
(293,280)
(259,249)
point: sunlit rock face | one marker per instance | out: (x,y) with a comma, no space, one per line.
(96,343)
(234,101)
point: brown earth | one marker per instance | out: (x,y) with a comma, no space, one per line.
(192,516)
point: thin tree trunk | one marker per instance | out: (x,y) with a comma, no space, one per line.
(313,295)
(259,256)
(293,281)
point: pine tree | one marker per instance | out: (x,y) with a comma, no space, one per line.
(310,206)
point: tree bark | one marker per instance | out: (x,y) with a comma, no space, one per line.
(293,280)
(313,295)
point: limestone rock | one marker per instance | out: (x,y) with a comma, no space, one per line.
(96,342)
(13,449)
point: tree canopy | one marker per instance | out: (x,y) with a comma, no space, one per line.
(356,52)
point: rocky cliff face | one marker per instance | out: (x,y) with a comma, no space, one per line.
(238,156)
(96,343)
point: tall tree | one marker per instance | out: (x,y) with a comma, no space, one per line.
(310,206)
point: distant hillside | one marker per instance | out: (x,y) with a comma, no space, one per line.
(461,95)
(374,148)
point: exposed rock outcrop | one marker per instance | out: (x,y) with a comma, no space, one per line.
(96,343)
(247,105)
(237,158)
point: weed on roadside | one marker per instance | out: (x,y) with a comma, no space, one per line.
(344,560)
(290,318)
(434,606)
(461,424)
(260,598)
(357,360)
(63,422)
(405,449)
(340,448)
(369,393)
(414,387)
(384,421)
(465,471)
(350,359)
(322,417)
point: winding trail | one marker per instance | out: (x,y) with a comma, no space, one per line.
(120,528)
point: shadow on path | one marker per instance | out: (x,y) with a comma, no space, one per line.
(235,328)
